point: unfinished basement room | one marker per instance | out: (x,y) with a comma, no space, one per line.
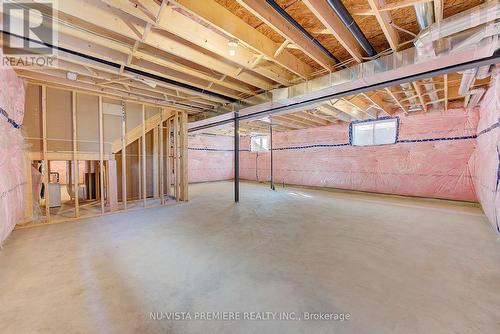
(250,166)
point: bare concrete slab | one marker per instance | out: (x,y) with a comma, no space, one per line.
(394,265)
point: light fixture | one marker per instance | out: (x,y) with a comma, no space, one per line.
(71,76)
(232,44)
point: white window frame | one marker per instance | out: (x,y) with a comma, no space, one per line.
(372,139)
(261,146)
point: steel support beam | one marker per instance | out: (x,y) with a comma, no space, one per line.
(236,159)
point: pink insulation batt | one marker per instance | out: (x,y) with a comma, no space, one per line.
(435,167)
(12,151)
(485,162)
(210,158)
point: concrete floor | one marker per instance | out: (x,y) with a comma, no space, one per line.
(395,265)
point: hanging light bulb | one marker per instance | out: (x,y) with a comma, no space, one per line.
(232,44)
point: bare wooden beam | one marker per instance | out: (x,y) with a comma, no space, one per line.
(224,19)
(378,102)
(401,4)
(367,11)
(393,96)
(120,21)
(267,14)
(420,96)
(335,26)
(384,20)
(438,10)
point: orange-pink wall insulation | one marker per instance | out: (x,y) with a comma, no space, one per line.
(12,150)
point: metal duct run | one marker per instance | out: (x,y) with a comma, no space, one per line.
(425,17)
(473,96)
(487,12)
(458,32)
(425,14)
(304,32)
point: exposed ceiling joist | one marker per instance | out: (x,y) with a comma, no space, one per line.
(384,20)
(335,26)
(217,15)
(267,14)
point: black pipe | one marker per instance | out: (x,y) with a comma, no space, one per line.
(346,18)
(494,59)
(236,159)
(130,69)
(291,20)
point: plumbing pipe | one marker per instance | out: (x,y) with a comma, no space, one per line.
(304,32)
(346,18)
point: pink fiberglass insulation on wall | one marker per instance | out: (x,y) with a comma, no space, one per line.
(210,158)
(430,158)
(12,150)
(485,162)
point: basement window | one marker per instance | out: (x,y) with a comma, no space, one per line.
(375,132)
(259,143)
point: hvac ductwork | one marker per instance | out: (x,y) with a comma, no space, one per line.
(425,17)
(458,32)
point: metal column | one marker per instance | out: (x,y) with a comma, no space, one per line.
(236,158)
(271,151)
